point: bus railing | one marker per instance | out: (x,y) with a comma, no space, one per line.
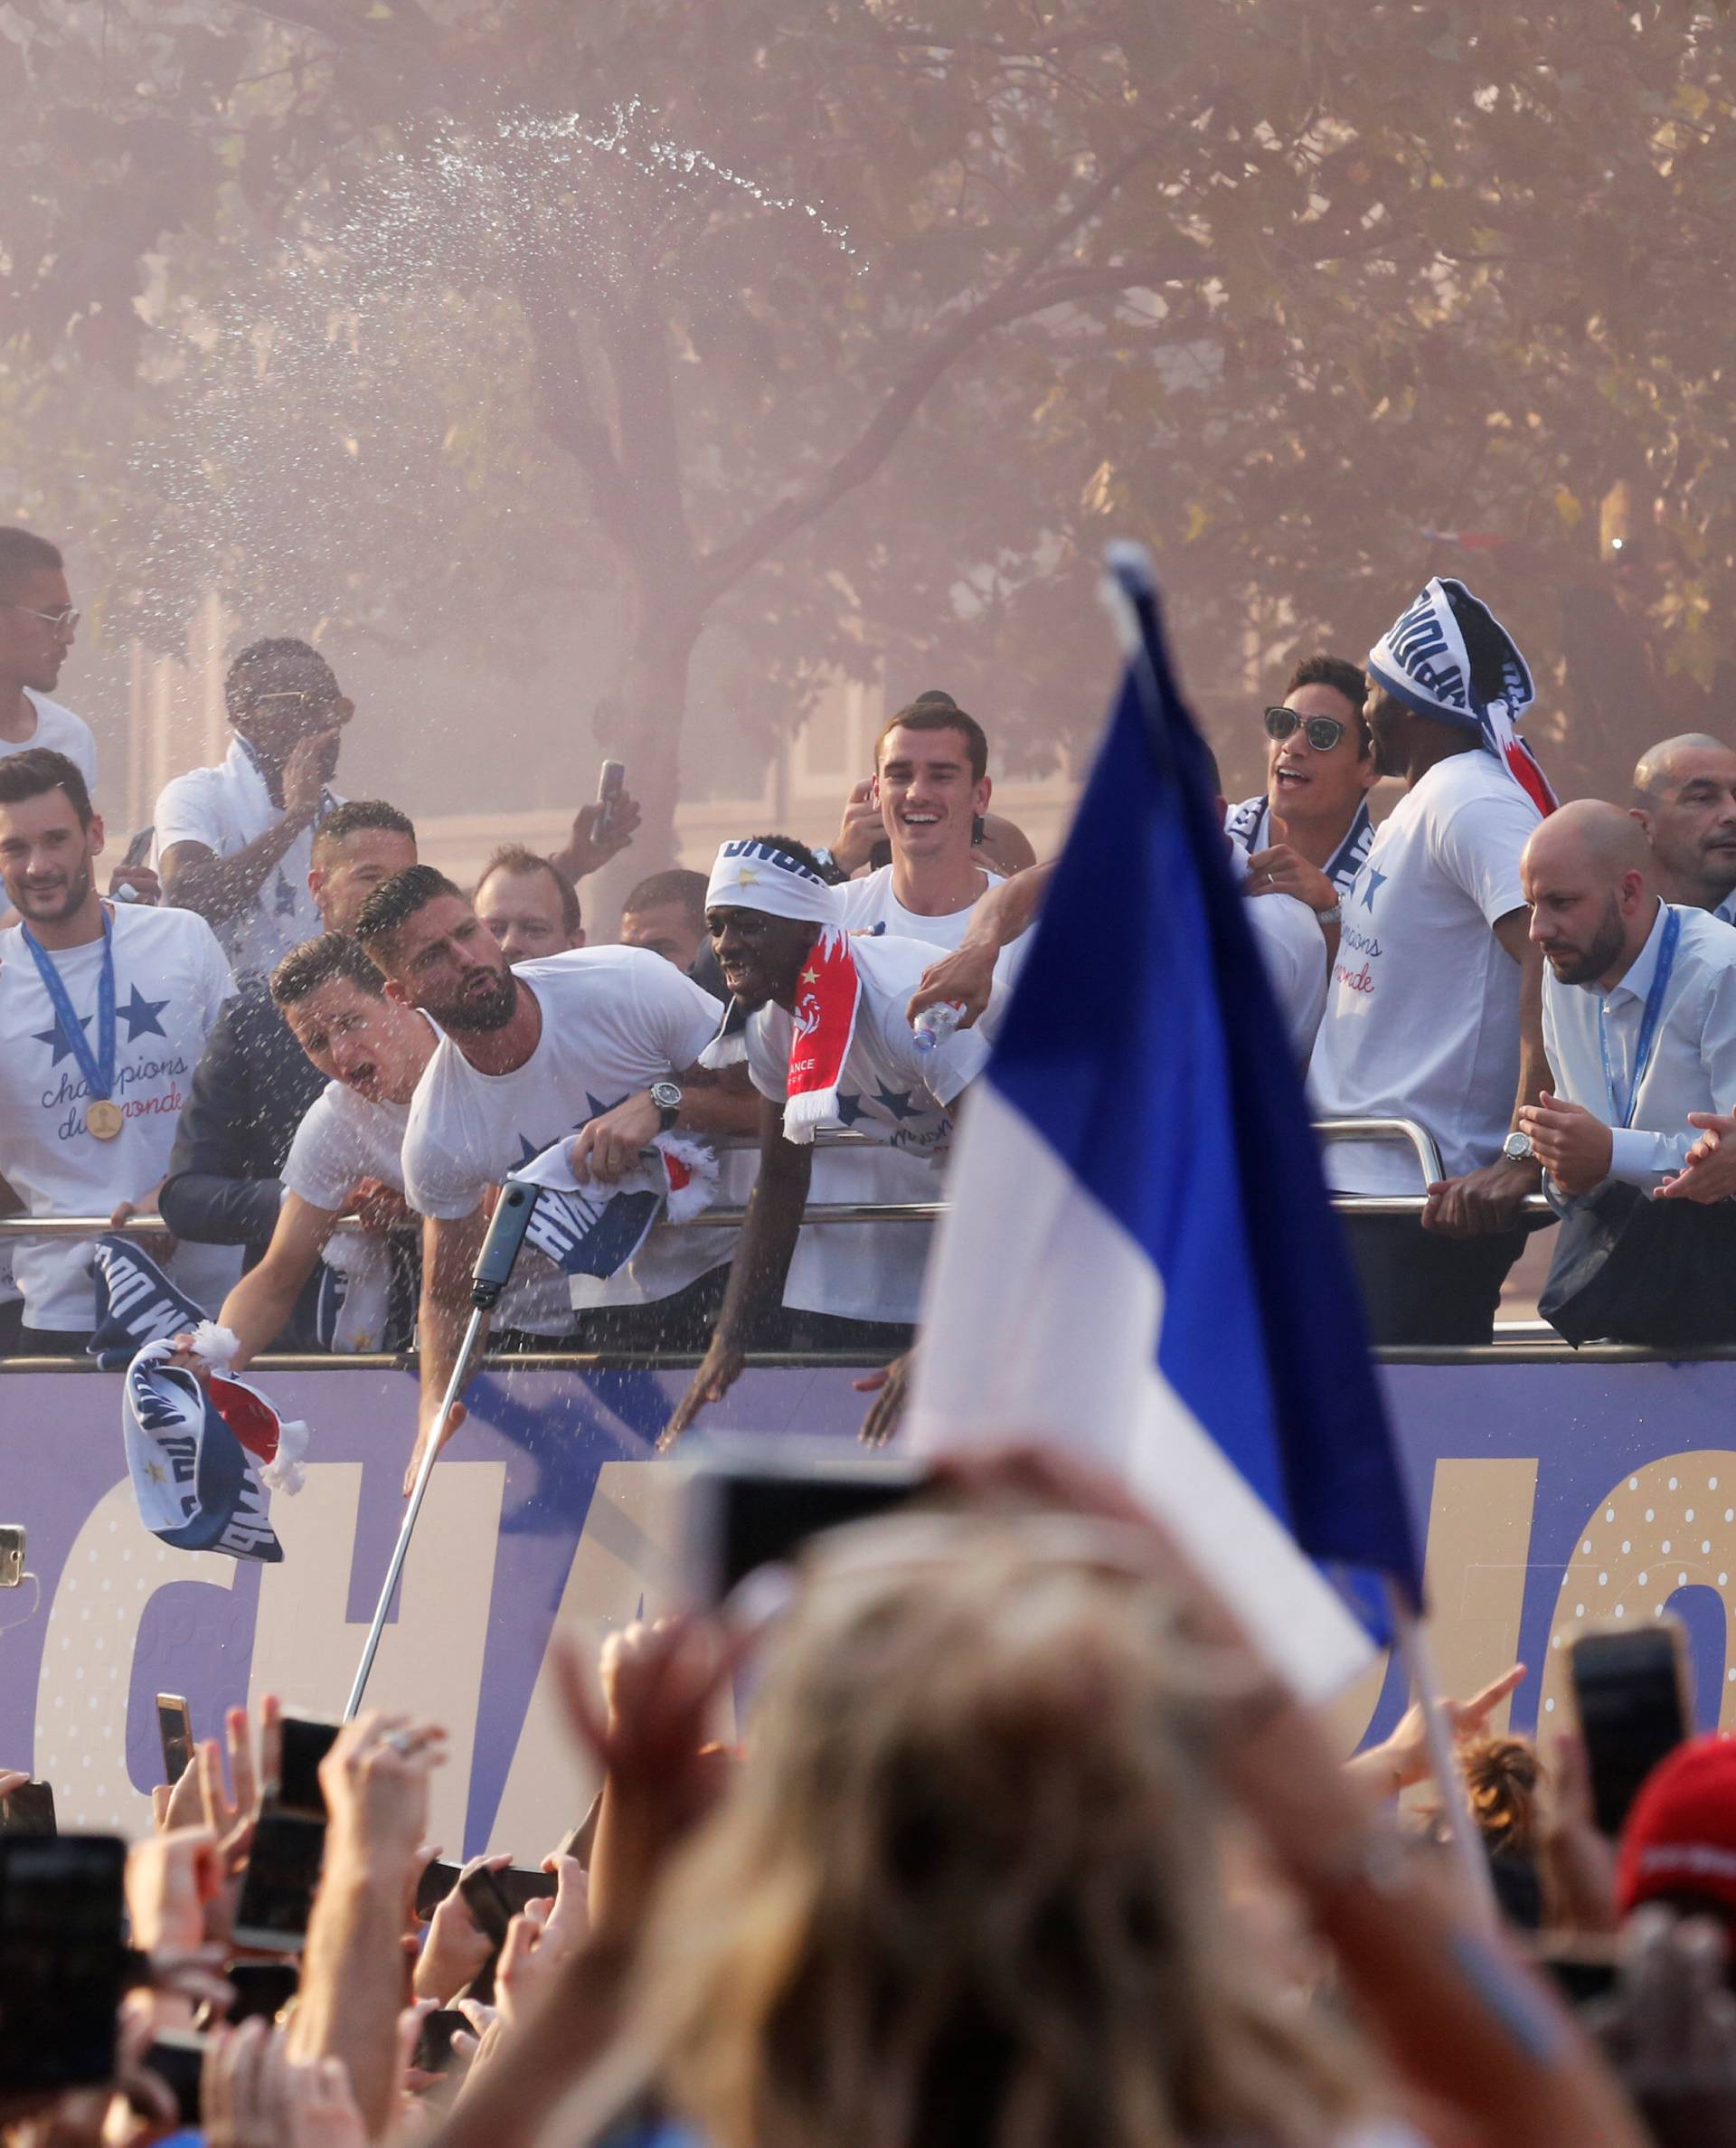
(1397,1133)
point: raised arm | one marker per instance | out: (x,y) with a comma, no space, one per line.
(967,974)
(762,1258)
(195,878)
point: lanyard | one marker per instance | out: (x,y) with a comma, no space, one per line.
(1648,1022)
(98,1067)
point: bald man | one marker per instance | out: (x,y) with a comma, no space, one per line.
(1685,798)
(1639,1006)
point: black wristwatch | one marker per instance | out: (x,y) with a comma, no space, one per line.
(666,1096)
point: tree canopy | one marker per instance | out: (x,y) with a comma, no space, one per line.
(843,334)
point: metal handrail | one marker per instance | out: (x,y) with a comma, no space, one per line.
(1398,1132)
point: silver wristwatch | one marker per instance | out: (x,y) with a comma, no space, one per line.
(1334,916)
(1517,1148)
(666,1096)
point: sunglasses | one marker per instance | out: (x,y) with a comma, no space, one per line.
(1324,733)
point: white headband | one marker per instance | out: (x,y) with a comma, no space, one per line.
(755,875)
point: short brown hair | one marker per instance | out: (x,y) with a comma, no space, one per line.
(936,711)
(397,900)
(321,961)
(357,813)
(40,770)
(514,857)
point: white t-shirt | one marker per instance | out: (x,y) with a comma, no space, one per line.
(59,728)
(615,1019)
(343,1138)
(226,807)
(874,1271)
(170,982)
(1293,949)
(1422,1019)
(870,906)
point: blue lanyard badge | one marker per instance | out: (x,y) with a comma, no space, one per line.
(98,1067)
(1649,1023)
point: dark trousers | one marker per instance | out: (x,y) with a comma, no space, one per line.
(683,1321)
(1421,1289)
(50,1342)
(876,1341)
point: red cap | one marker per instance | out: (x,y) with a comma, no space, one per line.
(1681,1833)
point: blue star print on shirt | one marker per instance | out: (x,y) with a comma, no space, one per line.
(1372,883)
(849,1109)
(140,1014)
(896,1101)
(58,1038)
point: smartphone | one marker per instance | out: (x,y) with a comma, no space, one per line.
(495,1898)
(12,1554)
(278,1892)
(139,848)
(610,780)
(752,1503)
(306,1740)
(437,1880)
(433,2053)
(177,2058)
(1631,1688)
(262,1988)
(29,1810)
(62,1962)
(175,1729)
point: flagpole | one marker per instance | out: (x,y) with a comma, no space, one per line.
(512,1213)
(1467,1841)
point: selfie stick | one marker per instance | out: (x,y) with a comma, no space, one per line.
(512,1213)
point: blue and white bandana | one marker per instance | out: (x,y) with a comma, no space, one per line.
(596,1230)
(203,1453)
(136,1302)
(1447,658)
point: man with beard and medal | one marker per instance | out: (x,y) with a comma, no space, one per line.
(104,1011)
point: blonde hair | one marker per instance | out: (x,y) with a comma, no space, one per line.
(964,1893)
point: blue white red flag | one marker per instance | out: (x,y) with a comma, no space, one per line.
(1141,1264)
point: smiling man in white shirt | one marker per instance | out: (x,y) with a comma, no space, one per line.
(104,1011)
(1639,1006)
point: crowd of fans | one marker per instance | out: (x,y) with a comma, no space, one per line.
(1016,1838)
(998,1830)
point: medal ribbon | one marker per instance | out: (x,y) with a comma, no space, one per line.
(1648,1022)
(98,1067)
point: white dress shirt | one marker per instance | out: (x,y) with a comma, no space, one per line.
(1692,1061)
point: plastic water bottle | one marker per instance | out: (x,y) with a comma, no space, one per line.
(935,1024)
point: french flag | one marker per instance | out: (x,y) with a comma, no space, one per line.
(1141,1264)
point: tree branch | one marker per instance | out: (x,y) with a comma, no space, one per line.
(1008,301)
(570,417)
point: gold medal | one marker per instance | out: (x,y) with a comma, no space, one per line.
(104,1118)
